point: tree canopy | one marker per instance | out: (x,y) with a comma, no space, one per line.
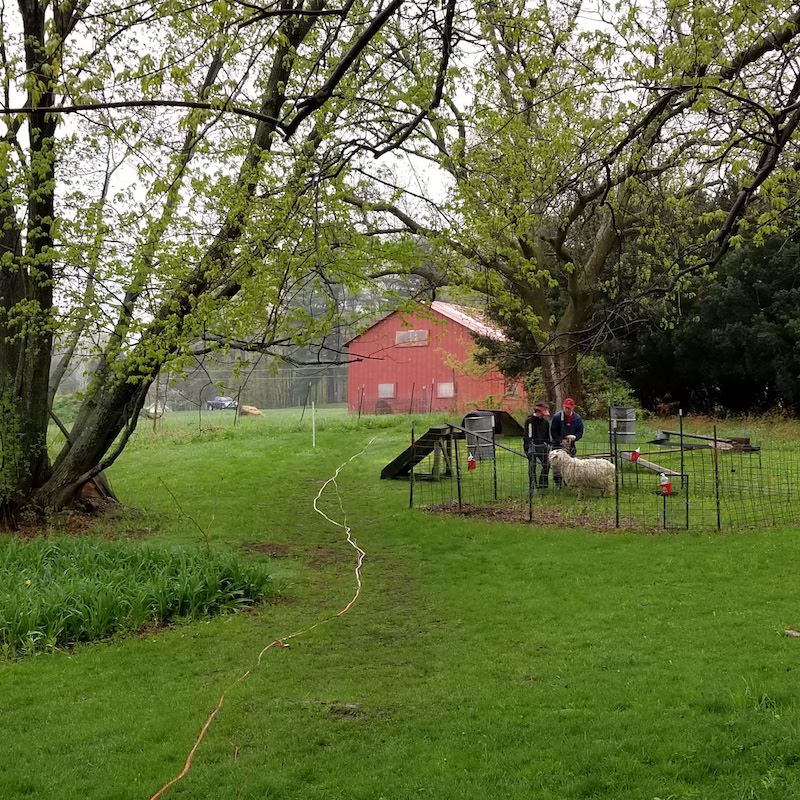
(731,345)
(568,135)
(164,173)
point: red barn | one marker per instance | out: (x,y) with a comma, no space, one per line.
(423,361)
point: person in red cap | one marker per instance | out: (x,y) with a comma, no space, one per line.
(536,441)
(565,429)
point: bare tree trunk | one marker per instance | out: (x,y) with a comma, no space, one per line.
(26,286)
(105,422)
(560,373)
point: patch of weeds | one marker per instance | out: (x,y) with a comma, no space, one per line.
(60,591)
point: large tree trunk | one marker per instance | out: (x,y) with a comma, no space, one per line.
(105,422)
(560,373)
(26,285)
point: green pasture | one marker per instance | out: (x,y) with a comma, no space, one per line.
(483,659)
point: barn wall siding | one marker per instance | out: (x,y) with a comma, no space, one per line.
(419,372)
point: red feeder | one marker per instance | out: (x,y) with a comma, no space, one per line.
(635,455)
(666,484)
(471,462)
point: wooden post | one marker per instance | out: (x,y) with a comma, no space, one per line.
(436,469)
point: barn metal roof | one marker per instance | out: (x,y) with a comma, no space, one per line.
(470,318)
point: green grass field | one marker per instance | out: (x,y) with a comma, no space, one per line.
(482,659)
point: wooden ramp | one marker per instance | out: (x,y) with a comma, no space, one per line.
(645,464)
(437,440)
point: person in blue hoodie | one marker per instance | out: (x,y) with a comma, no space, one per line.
(566,428)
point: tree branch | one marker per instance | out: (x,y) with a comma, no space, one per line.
(309,105)
(112,104)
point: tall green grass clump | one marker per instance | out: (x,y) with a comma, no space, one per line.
(56,592)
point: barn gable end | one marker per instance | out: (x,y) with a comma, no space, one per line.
(416,362)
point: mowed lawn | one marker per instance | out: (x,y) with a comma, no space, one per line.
(482,660)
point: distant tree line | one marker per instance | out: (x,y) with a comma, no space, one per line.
(732,345)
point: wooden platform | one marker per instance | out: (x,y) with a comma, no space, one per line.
(506,425)
(437,440)
(736,444)
(645,464)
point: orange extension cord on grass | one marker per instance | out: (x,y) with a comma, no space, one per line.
(281,641)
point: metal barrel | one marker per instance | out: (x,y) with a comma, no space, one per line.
(479,426)
(623,419)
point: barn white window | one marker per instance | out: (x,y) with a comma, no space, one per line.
(386,390)
(445,389)
(411,338)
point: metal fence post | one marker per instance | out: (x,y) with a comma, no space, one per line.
(716,479)
(680,429)
(686,491)
(494,462)
(618,464)
(530,491)
(411,477)
(458,470)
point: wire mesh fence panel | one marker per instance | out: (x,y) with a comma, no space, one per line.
(758,489)
(705,486)
(463,474)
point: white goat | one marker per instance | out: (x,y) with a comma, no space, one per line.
(590,473)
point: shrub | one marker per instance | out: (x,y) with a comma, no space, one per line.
(57,592)
(602,387)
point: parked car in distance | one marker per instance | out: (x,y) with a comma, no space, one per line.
(221,402)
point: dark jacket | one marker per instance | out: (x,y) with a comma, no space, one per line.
(537,432)
(560,428)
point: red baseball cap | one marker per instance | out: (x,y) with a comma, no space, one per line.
(569,403)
